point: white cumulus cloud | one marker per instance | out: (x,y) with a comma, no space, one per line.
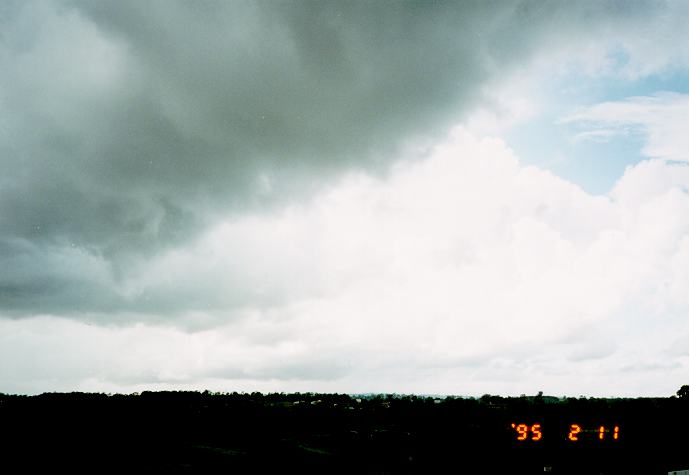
(461,272)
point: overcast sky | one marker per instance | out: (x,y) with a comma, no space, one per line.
(376,196)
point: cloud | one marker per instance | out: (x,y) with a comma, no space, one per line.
(660,119)
(127,129)
(461,272)
(267,196)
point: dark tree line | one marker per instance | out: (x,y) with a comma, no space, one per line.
(204,432)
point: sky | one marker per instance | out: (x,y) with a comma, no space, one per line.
(320,196)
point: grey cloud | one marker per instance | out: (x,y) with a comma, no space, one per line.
(126,126)
(320,369)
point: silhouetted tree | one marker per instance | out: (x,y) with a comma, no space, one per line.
(683,392)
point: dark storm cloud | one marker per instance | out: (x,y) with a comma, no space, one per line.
(126,126)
